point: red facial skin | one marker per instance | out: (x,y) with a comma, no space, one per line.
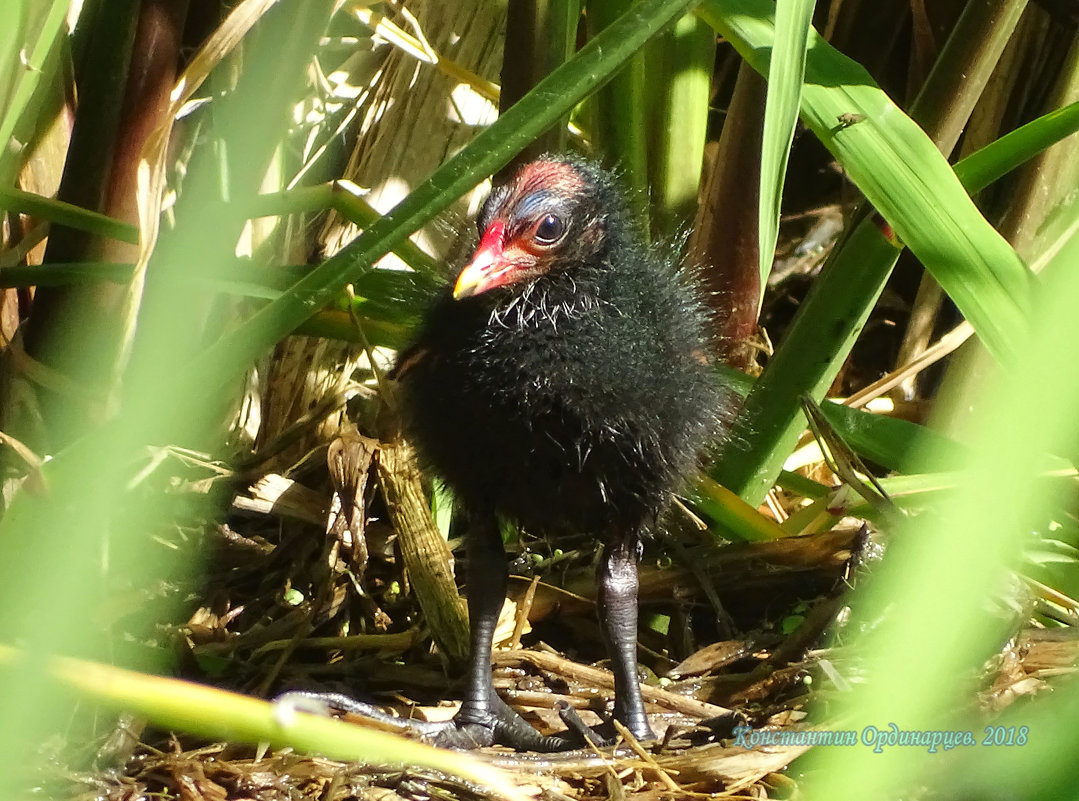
(500,259)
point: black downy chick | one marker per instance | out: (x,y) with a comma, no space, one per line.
(564,385)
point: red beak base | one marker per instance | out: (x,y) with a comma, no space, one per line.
(489,267)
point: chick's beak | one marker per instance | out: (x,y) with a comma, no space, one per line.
(488,267)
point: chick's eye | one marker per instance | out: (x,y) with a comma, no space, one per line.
(549,230)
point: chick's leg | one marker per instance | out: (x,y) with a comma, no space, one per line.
(618,584)
(488,577)
(484,718)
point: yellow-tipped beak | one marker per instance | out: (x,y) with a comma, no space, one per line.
(488,266)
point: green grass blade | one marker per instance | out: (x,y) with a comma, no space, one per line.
(739,521)
(786,69)
(985,166)
(541,35)
(892,443)
(58,212)
(680,66)
(619,114)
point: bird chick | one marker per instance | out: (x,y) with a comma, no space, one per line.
(564,384)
